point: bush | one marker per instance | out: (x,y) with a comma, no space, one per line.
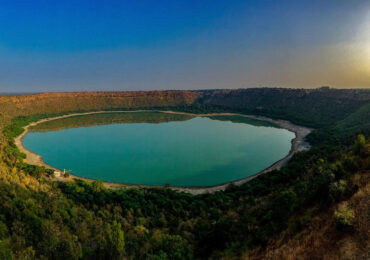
(172,247)
(344,217)
(98,186)
(337,190)
(3,230)
(359,144)
(5,252)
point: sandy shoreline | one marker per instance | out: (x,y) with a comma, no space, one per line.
(298,144)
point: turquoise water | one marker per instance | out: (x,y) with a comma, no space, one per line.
(195,151)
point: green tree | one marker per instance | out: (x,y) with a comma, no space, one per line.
(5,252)
(116,240)
(3,230)
(172,247)
(98,186)
(359,144)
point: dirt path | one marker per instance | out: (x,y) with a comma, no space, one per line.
(298,144)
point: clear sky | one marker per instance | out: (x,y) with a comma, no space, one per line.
(74,45)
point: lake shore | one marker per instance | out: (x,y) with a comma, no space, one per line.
(298,144)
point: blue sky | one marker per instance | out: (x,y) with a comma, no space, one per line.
(142,45)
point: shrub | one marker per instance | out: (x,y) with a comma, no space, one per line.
(344,217)
(5,252)
(359,144)
(337,190)
(98,186)
(3,230)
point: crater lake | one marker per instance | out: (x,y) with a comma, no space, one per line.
(155,148)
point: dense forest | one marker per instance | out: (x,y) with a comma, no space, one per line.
(316,206)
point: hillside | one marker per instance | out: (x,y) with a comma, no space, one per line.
(320,197)
(357,121)
(85,101)
(313,107)
(324,236)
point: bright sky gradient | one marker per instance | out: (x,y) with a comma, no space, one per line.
(75,45)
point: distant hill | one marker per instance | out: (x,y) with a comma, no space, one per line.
(47,103)
(310,107)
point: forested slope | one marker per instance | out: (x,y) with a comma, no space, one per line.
(311,107)
(273,216)
(54,103)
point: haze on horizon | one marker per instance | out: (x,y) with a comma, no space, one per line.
(86,45)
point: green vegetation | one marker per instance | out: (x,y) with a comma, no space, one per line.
(344,217)
(41,219)
(315,108)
